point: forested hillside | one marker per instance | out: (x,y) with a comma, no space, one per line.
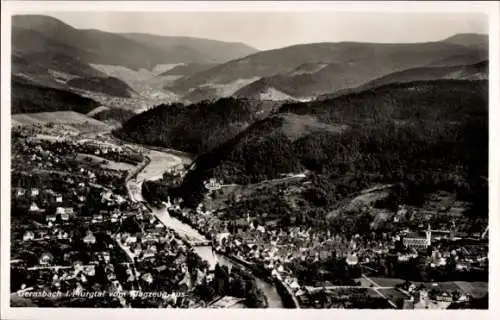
(196,128)
(308,70)
(426,135)
(113,114)
(28,97)
(108,85)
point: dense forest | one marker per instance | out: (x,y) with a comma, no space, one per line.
(196,128)
(114,114)
(27,97)
(108,85)
(421,136)
(426,135)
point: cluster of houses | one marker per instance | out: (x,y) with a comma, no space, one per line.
(55,255)
(435,296)
(52,254)
(157,249)
(276,248)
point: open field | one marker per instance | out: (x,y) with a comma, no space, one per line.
(97,110)
(386,282)
(160,162)
(74,119)
(393,294)
(89,158)
(241,192)
(475,289)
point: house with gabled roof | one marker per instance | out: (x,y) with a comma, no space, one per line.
(97,218)
(20,192)
(89,270)
(89,238)
(46,258)
(28,236)
(34,208)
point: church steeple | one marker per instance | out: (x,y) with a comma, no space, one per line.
(428,234)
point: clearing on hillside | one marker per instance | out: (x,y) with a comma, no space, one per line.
(97,110)
(76,120)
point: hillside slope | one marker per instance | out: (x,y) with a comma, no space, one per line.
(478,71)
(46,34)
(195,128)
(111,115)
(312,69)
(426,135)
(68,119)
(193,50)
(472,40)
(108,85)
(37,33)
(52,53)
(29,97)
(186,70)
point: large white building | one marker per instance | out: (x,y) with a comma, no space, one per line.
(418,240)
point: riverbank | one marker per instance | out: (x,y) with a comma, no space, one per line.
(288,299)
(185,231)
(133,174)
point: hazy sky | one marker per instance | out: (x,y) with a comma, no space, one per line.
(268,30)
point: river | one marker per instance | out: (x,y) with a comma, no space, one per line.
(162,160)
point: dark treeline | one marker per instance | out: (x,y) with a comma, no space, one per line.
(27,97)
(108,85)
(117,114)
(196,128)
(427,135)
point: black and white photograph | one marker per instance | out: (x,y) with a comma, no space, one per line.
(215,159)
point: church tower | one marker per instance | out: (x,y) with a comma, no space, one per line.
(428,235)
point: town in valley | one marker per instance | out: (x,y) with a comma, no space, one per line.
(150,171)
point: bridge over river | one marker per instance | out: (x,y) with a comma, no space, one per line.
(202,246)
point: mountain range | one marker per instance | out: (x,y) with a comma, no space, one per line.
(163,69)
(306,71)
(51,52)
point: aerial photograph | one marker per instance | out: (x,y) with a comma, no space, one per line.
(299,160)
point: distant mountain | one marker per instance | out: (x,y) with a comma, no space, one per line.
(142,50)
(186,70)
(108,85)
(457,60)
(89,46)
(28,97)
(263,88)
(45,60)
(471,40)
(425,135)
(193,50)
(200,94)
(305,71)
(51,53)
(478,71)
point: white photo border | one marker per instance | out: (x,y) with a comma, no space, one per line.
(19,7)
